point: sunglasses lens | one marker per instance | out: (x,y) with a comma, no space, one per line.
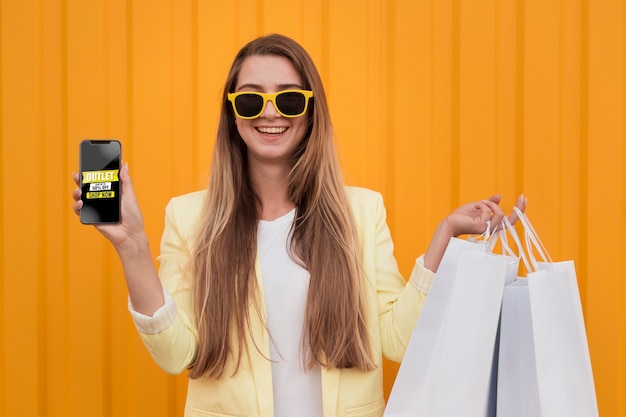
(249,105)
(291,103)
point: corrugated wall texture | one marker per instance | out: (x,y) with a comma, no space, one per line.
(435,103)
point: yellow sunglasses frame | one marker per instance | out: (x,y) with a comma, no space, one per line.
(270,97)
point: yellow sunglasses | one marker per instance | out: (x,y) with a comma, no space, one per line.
(288,103)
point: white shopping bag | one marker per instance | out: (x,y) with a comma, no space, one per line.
(544,364)
(446,370)
(517,375)
(564,375)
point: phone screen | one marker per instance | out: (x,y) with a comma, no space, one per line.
(99,181)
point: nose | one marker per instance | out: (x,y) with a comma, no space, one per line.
(270,110)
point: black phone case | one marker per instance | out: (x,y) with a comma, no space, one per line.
(99,181)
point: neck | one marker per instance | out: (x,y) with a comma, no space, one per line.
(270,185)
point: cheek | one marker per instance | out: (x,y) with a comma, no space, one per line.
(303,130)
(241,127)
(301,125)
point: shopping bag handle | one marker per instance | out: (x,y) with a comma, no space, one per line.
(532,241)
(508,227)
(487,237)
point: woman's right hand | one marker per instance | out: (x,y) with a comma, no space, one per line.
(131,226)
(130,241)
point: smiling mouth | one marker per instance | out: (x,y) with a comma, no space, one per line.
(272,130)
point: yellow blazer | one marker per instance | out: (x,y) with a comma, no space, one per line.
(392,309)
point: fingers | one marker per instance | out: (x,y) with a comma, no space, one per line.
(521,204)
(496,198)
(496,212)
(490,213)
(497,215)
(77,206)
(78,203)
(76,194)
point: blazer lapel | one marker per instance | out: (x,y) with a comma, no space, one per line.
(260,363)
(330,390)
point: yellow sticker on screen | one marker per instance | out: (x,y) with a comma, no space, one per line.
(100,176)
(100,194)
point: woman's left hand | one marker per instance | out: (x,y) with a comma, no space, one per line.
(472,218)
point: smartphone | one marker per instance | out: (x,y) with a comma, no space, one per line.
(100,182)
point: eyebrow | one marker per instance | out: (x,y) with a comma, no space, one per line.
(257,87)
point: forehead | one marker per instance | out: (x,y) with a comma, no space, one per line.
(268,72)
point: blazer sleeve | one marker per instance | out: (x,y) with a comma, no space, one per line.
(174,347)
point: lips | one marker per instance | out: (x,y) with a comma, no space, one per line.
(272,130)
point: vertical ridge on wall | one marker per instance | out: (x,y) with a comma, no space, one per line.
(455,156)
(621,399)
(559,180)
(42,266)
(130,85)
(63,399)
(3,186)
(195,82)
(584,143)
(371,82)
(497,85)
(260,17)
(325,41)
(520,40)
(432,138)
(390,80)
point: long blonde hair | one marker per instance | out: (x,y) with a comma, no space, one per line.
(324,238)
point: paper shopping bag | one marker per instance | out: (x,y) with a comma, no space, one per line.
(544,365)
(564,375)
(517,394)
(446,370)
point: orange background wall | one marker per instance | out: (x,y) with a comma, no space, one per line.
(435,103)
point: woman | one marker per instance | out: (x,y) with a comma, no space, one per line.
(277,288)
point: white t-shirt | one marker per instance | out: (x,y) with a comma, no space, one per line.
(297,392)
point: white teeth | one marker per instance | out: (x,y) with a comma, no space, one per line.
(271,130)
